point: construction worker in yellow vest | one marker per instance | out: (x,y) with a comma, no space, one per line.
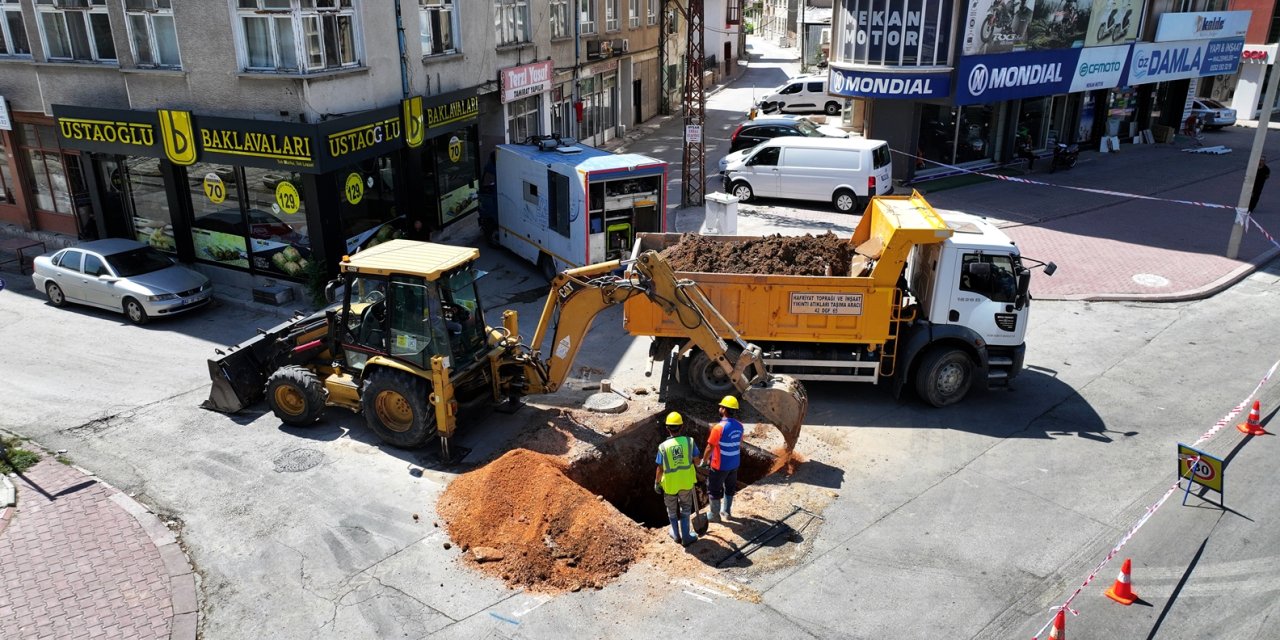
(675,478)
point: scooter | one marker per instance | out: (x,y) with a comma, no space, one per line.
(1064,155)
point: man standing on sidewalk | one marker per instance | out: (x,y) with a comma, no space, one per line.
(1260,179)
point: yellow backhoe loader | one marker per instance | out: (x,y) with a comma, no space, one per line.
(407,343)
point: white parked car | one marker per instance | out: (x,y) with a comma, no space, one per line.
(121,275)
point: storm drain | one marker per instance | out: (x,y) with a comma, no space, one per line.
(298,460)
(622,471)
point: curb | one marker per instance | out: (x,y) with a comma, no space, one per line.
(1217,286)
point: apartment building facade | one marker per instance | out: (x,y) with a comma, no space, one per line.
(267,138)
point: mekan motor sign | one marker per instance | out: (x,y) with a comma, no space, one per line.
(1164,61)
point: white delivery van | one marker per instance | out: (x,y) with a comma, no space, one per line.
(842,171)
(803,94)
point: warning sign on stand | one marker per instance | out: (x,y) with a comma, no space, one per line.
(1200,468)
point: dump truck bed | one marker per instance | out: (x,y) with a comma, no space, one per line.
(854,309)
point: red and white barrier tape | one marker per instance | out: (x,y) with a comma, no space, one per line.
(1066,606)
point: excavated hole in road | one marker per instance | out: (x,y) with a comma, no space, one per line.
(621,469)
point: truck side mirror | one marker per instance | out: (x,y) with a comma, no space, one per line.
(1024,288)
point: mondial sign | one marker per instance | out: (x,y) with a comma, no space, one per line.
(1030,74)
(875,84)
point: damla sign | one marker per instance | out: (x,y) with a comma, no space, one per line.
(1165,61)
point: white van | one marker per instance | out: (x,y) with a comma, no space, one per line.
(803,94)
(842,171)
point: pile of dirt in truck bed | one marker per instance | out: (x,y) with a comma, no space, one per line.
(521,519)
(805,255)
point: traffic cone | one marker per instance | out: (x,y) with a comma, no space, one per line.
(1122,590)
(1253,426)
(1059,630)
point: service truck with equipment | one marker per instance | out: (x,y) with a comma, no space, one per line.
(561,204)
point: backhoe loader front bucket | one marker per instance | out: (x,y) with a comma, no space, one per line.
(783,402)
(240,374)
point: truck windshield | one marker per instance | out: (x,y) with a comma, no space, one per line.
(998,282)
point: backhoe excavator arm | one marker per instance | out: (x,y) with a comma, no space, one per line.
(579,295)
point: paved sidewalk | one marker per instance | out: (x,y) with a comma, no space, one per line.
(82,560)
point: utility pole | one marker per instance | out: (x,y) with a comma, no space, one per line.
(1251,171)
(695,107)
(804,63)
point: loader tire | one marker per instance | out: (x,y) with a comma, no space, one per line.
(944,377)
(296,395)
(707,379)
(397,408)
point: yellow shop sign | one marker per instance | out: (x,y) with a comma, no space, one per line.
(275,146)
(363,137)
(134,133)
(451,112)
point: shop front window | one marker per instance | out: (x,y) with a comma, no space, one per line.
(457,173)
(367,205)
(249,218)
(279,242)
(47,166)
(146,199)
(1121,109)
(976,133)
(6,176)
(937,135)
(524,118)
(1034,119)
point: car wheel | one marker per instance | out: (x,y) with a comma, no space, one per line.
(845,201)
(833,108)
(134,311)
(944,377)
(295,395)
(742,191)
(56,297)
(395,407)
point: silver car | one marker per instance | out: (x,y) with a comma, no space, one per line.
(121,275)
(1213,114)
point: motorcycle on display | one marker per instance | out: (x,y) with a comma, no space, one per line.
(1009,17)
(1113,29)
(1064,155)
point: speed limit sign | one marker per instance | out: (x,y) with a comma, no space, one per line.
(1200,468)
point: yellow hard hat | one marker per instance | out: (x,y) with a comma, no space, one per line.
(674,419)
(729,402)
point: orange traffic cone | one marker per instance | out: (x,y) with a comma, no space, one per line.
(1059,631)
(1122,590)
(1253,426)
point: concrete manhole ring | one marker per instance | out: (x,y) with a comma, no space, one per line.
(298,460)
(1151,280)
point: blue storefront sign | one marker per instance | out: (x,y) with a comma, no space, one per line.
(1165,61)
(1009,76)
(875,84)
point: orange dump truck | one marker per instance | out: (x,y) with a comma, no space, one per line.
(937,302)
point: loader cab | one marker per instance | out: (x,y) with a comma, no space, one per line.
(412,317)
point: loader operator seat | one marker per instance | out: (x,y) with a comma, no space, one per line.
(370,332)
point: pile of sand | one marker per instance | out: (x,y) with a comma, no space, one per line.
(521,519)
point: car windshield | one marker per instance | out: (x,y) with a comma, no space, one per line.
(807,128)
(138,261)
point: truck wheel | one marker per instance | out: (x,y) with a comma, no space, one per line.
(944,377)
(845,201)
(742,191)
(707,379)
(395,406)
(547,267)
(295,395)
(832,108)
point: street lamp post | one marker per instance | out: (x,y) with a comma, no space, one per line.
(1251,171)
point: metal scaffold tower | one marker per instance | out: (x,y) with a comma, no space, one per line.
(695,153)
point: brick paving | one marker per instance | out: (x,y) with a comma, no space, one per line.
(78,562)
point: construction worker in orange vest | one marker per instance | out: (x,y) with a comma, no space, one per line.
(724,455)
(675,478)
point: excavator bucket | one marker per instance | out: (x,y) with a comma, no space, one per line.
(240,374)
(782,401)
